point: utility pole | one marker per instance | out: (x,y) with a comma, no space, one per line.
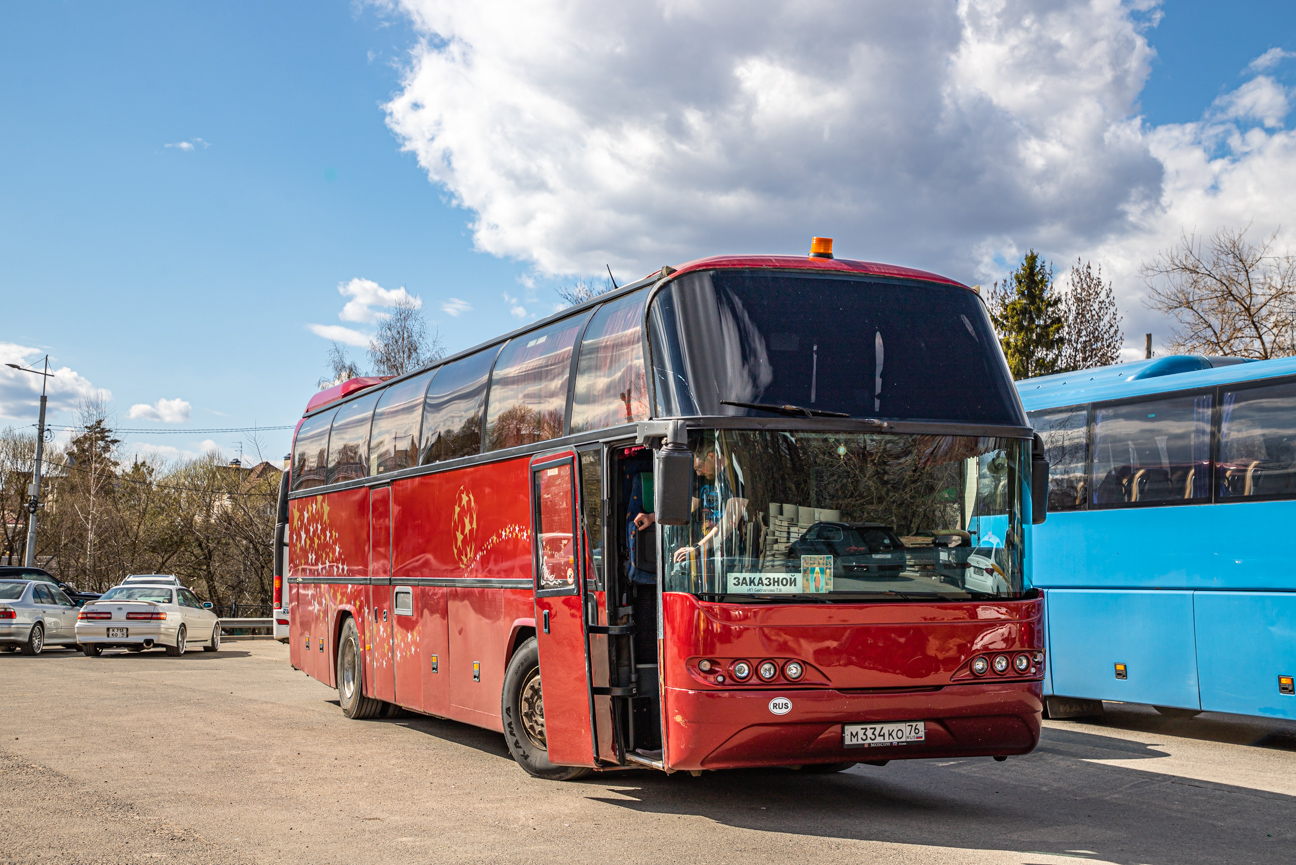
(33,492)
(1147,346)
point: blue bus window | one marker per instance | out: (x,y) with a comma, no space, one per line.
(1258,443)
(1063,432)
(1160,457)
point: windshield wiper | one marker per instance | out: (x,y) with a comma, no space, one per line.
(796,410)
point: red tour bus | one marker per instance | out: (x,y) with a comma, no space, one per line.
(751,511)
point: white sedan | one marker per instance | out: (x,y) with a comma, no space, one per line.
(139,617)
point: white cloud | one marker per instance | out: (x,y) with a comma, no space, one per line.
(365,303)
(191,144)
(20,391)
(516,309)
(454,307)
(366,294)
(163,411)
(1261,99)
(947,136)
(1270,59)
(338,333)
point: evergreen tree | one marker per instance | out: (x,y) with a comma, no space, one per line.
(1027,316)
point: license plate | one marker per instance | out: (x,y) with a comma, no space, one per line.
(876,735)
(116,633)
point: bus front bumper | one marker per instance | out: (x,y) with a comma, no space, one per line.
(729,729)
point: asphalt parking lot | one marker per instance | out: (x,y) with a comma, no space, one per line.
(235,757)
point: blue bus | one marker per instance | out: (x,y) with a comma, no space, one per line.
(1168,560)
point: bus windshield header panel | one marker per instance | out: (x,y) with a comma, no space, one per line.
(795,516)
(853,345)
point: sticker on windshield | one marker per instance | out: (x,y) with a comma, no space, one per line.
(816,574)
(764,584)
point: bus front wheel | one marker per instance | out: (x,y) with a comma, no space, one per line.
(522,708)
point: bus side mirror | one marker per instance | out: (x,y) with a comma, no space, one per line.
(674,482)
(1039,481)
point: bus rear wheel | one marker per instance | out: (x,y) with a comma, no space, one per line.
(350,676)
(522,708)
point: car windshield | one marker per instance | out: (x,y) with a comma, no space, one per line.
(12,591)
(781,515)
(157,595)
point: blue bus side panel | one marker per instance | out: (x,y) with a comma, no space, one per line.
(1245,641)
(1091,631)
(1223,546)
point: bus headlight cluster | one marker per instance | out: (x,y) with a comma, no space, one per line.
(1018,663)
(720,670)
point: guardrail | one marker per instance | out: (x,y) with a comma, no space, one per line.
(246,624)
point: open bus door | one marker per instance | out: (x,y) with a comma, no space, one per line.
(563,602)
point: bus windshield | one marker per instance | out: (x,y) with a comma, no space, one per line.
(726,342)
(795,516)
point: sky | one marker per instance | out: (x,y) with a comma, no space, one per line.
(196,199)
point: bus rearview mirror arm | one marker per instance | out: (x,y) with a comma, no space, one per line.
(674,481)
(1039,481)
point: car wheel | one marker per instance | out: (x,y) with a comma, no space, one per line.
(35,640)
(91,650)
(522,708)
(214,644)
(179,647)
(350,676)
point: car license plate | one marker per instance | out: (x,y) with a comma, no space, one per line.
(116,633)
(875,735)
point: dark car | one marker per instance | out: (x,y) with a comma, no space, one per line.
(10,572)
(858,549)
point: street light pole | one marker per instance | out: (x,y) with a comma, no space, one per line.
(33,492)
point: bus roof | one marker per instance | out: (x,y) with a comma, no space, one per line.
(843,266)
(1159,375)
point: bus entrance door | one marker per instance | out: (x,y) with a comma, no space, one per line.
(380,680)
(560,601)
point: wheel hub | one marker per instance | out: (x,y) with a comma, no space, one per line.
(531,705)
(348,669)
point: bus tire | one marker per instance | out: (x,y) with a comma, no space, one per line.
(350,676)
(523,725)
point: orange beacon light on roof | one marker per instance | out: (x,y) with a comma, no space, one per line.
(821,247)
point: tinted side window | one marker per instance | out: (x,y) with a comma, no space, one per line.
(43,595)
(1063,431)
(1152,451)
(611,387)
(310,452)
(528,391)
(349,441)
(394,441)
(452,413)
(1258,443)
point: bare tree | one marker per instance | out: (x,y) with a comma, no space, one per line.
(1228,296)
(341,367)
(402,343)
(1091,331)
(581,291)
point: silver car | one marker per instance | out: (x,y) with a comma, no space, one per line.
(35,614)
(141,616)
